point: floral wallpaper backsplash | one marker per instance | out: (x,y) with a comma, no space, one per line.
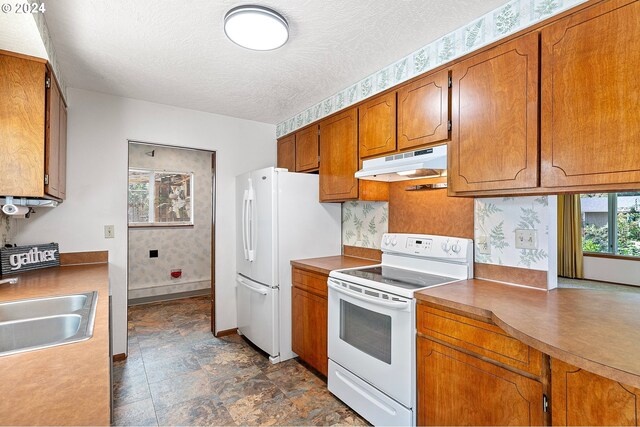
(502,21)
(499,218)
(364,223)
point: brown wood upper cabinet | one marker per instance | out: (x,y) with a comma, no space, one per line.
(377,132)
(299,152)
(339,154)
(582,398)
(423,111)
(33,137)
(307,149)
(590,128)
(287,152)
(494,140)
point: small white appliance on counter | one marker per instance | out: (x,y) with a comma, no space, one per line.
(279,219)
(372,323)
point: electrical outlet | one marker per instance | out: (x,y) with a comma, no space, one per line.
(526,239)
(108,232)
(484,247)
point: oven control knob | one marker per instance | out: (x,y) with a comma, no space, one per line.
(446,246)
(387,240)
(394,241)
(456,248)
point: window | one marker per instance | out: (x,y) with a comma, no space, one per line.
(160,198)
(611,223)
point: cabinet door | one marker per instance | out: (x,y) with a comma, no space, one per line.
(339,154)
(52,141)
(22,128)
(455,388)
(309,328)
(494,140)
(287,152)
(298,312)
(590,121)
(423,111)
(315,333)
(307,150)
(581,398)
(62,169)
(377,126)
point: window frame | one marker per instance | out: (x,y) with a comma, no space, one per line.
(612,231)
(152,206)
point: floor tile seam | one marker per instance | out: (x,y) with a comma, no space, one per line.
(153,403)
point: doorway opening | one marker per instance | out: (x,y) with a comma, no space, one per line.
(171,225)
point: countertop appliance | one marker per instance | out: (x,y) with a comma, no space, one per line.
(372,323)
(279,219)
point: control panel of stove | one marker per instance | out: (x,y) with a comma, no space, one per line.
(427,245)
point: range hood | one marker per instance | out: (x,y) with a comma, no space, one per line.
(425,163)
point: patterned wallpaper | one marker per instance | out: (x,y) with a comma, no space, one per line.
(7,227)
(498,218)
(364,223)
(507,19)
(185,248)
(41,23)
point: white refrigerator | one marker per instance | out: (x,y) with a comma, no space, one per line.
(279,219)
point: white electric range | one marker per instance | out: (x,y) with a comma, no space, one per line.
(372,323)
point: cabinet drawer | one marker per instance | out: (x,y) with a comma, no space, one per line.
(313,282)
(481,338)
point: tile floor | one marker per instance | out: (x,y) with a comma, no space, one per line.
(177,373)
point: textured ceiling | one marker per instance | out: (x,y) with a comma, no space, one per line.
(175,52)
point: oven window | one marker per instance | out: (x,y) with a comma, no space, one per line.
(366,330)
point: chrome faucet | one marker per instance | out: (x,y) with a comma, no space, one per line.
(10,280)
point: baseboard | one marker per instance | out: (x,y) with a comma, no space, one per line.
(169,297)
(227,332)
(119,357)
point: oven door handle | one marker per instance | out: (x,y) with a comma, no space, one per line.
(396,305)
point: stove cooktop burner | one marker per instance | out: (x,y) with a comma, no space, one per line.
(406,279)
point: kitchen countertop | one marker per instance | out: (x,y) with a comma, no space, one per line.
(67,384)
(325,265)
(596,330)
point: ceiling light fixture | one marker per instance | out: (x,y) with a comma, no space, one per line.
(256,27)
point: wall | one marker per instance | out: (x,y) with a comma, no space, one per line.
(7,229)
(429,211)
(612,270)
(98,128)
(187,248)
(507,19)
(364,223)
(498,219)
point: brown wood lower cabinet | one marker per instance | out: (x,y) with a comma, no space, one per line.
(309,320)
(581,398)
(471,372)
(455,388)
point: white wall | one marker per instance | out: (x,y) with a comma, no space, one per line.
(98,128)
(612,270)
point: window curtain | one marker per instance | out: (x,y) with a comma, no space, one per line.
(570,236)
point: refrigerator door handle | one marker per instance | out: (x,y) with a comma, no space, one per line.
(244,225)
(251,288)
(250,222)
